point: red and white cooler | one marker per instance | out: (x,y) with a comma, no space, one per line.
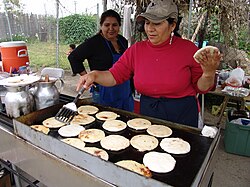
(14,55)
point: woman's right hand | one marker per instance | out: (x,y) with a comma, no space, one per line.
(104,78)
(86,81)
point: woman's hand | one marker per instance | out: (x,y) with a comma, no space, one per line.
(209,61)
(86,81)
(104,78)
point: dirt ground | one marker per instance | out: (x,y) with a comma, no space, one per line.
(231,170)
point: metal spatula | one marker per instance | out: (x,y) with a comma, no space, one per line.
(68,111)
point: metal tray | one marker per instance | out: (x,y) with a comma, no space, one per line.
(189,167)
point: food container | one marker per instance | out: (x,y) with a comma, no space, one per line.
(14,54)
(237,139)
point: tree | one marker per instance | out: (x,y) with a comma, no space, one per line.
(77,28)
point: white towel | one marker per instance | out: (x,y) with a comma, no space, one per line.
(126,29)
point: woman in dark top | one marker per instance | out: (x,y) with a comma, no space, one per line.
(102,51)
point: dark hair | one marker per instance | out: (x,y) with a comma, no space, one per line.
(72,46)
(110,13)
(140,25)
(171,21)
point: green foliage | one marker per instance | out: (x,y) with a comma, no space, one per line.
(77,28)
(244,40)
(20,37)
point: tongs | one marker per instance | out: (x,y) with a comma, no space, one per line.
(68,111)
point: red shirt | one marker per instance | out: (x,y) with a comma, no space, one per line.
(160,70)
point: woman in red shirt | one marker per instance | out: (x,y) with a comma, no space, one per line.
(163,67)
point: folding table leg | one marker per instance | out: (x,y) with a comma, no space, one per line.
(223,107)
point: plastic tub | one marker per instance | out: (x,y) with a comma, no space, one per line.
(237,139)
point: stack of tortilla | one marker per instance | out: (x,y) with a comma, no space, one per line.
(159,131)
(52,123)
(87,109)
(75,142)
(144,142)
(114,125)
(97,152)
(159,162)
(115,143)
(139,123)
(106,115)
(135,167)
(175,145)
(41,128)
(91,135)
(82,119)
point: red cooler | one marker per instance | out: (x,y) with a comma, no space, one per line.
(14,54)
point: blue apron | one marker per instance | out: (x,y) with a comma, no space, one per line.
(119,96)
(180,110)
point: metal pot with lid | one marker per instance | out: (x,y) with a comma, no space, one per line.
(46,92)
(18,101)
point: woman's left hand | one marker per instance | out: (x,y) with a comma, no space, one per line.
(209,61)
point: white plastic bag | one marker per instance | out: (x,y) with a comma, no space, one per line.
(236,77)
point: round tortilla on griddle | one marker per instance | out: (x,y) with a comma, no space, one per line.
(159,162)
(106,115)
(70,130)
(114,143)
(139,123)
(41,128)
(75,142)
(144,142)
(159,131)
(114,125)
(175,145)
(82,119)
(87,109)
(53,123)
(198,53)
(91,135)
(97,152)
(135,167)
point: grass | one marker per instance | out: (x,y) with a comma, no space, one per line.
(43,54)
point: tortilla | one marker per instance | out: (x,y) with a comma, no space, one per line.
(175,145)
(135,167)
(41,128)
(159,162)
(159,131)
(91,135)
(82,119)
(70,130)
(75,142)
(53,123)
(114,125)
(106,115)
(97,152)
(114,142)
(144,142)
(139,123)
(198,53)
(87,109)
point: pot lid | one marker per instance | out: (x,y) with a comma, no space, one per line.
(21,80)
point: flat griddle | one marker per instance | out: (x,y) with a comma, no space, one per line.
(187,165)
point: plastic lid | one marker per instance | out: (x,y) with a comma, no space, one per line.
(12,44)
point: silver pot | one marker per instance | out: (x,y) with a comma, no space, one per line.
(46,93)
(18,101)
